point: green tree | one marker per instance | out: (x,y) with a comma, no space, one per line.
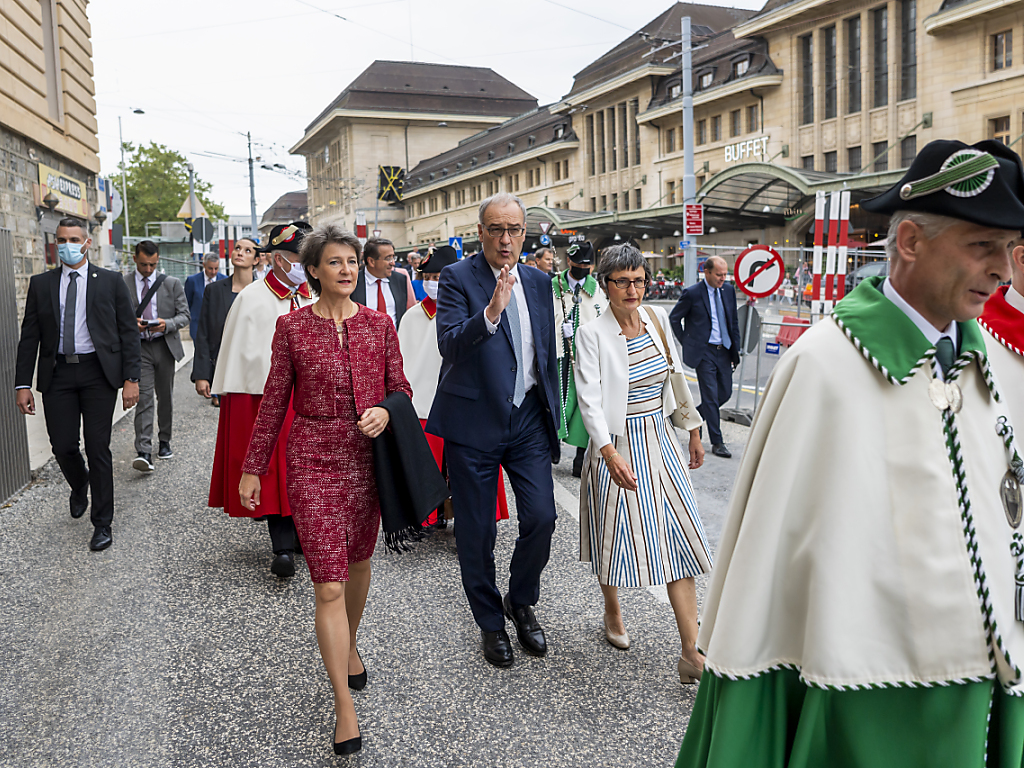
(158,184)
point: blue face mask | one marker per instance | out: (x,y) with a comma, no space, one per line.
(70,253)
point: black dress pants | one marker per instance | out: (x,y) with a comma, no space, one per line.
(80,399)
(714,377)
(282,533)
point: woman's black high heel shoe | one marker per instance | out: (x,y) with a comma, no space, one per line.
(349,746)
(358,682)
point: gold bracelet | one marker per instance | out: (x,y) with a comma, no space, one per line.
(609,458)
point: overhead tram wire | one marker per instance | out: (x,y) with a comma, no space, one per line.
(590,15)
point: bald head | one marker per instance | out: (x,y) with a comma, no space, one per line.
(715,271)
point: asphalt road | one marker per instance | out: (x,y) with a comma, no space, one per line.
(177,647)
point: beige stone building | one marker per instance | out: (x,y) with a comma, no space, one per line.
(48,144)
(798,97)
(396,114)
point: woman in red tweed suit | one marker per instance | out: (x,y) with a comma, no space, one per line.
(336,360)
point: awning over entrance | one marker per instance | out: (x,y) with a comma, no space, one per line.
(746,196)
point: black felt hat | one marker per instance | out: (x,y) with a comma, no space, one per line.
(581,253)
(443,256)
(286,237)
(983,184)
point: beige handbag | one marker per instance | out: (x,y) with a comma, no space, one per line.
(685,415)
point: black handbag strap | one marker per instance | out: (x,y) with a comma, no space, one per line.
(149,294)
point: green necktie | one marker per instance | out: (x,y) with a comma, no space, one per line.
(945,354)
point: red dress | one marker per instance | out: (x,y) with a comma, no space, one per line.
(331,379)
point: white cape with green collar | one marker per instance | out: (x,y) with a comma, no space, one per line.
(866,542)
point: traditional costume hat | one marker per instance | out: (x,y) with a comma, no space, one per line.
(982,184)
(440,258)
(286,237)
(581,253)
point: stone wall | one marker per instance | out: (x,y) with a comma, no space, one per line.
(29,224)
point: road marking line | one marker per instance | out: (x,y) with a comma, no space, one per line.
(570,502)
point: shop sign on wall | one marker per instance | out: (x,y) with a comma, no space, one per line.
(71,193)
(747,150)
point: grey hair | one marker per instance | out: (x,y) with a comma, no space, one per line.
(312,248)
(210,258)
(618,258)
(932,224)
(501,198)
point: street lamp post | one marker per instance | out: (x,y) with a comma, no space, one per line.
(124,175)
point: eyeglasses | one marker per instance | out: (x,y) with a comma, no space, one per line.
(623,283)
(388,259)
(496,232)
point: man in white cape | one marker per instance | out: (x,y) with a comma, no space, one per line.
(866,604)
(242,368)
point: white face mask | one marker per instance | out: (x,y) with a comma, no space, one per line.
(296,273)
(430,286)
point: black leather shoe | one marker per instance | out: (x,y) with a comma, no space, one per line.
(143,462)
(358,682)
(349,746)
(283,565)
(165,451)
(79,502)
(530,635)
(719,449)
(497,648)
(100,538)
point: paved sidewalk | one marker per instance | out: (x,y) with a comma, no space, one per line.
(177,647)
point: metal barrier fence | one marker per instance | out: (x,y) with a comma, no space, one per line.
(15,473)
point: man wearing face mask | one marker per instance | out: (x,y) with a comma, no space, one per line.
(79,322)
(577,301)
(241,373)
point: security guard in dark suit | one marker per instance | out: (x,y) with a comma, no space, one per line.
(711,343)
(79,322)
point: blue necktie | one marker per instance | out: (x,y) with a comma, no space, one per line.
(723,329)
(512,313)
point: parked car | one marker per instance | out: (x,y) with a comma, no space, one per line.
(871,269)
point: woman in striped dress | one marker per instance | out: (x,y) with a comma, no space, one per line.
(638,516)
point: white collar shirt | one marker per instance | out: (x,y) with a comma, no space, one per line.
(140,291)
(930,332)
(371,293)
(210,279)
(716,331)
(525,327)
(83,339)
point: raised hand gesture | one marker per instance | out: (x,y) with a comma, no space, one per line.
(501,297)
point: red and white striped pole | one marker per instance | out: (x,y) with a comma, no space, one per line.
(844,243)
(819,230)
(830,253)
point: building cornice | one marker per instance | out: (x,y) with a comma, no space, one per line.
(942,21)
(647,70)
(701,98)
(492,167)
(391,116)
(761,23)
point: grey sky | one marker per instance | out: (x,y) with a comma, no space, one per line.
(210,71)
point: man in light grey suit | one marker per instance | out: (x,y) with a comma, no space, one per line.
(161,310)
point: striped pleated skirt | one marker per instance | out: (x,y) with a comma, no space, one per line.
(652,535)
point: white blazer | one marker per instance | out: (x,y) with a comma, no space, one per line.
(602,375)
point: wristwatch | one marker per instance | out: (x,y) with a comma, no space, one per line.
(133,381)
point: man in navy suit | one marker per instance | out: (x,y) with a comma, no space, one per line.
(196,285)
(497,404)
(711,342)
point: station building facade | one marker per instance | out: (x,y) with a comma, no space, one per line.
(48,145)
(396,114)
(798,97)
